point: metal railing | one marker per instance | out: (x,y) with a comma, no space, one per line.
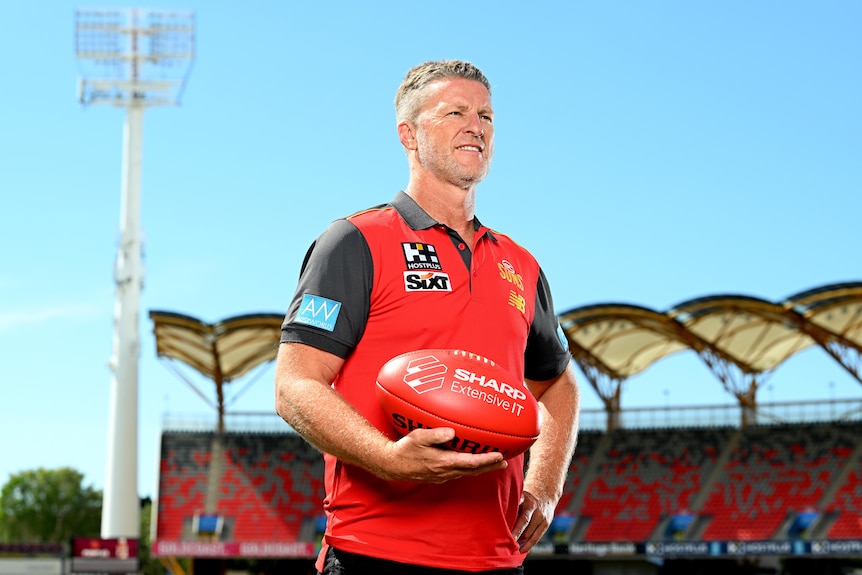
(722,415)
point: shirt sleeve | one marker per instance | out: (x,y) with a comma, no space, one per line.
(547,354)
(329,309)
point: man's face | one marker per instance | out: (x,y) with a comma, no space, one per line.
(455,131)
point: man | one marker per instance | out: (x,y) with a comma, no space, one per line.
(392,501)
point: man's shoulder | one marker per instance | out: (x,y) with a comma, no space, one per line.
(383,215)
(346,227)
(380,210)
(508,242)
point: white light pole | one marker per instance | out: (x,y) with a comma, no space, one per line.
(134,59)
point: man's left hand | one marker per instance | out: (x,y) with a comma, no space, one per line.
(534,518)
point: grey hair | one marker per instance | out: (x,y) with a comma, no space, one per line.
(409,97)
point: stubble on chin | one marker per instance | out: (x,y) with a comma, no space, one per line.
(449,170)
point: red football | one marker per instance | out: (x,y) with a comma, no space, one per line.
(489,409)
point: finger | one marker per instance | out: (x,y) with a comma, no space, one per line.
(435,436)
(529,539)
(439,437)
(475,464)
(533,532)
(524,516)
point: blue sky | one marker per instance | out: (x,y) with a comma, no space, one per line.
(646,153)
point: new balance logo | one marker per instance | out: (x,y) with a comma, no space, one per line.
(516,300)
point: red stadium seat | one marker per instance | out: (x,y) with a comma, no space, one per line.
(269,484)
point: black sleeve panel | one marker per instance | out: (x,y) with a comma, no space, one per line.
(338,273)
(547,354)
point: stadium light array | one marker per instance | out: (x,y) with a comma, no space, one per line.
(134,59)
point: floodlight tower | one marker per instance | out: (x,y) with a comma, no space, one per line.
(133,59)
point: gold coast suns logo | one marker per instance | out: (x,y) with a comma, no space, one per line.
(508,273)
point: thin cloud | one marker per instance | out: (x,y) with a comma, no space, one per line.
(23,318)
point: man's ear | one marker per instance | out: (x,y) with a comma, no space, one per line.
(407,134)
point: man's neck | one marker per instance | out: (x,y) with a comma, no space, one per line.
(448,205)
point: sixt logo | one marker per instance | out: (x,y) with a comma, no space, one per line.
(425,374)
(427,281)
(420,256)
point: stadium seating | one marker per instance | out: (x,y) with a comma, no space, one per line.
(774,470)
(710,484)
(847,503)
(645,476)
(183,468)
(268,485)
(587,442)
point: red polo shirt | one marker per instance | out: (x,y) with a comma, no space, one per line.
(390,280)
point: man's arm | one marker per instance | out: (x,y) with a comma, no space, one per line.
(305,399)
(550,456)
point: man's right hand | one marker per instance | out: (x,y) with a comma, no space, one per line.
(418,457)
(305,399)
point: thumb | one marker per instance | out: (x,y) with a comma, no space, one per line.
(435,436)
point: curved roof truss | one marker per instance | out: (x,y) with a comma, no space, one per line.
(741,338)
(222,351)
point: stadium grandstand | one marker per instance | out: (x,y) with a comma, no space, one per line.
(748,487)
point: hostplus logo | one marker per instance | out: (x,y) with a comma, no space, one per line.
(420,256)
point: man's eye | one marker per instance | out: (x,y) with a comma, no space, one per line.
(488,119)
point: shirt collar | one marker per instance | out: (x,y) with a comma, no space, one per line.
(418,219)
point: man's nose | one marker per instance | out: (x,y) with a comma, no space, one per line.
(475,125)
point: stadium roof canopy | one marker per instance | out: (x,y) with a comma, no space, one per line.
(223,351)
(741,338)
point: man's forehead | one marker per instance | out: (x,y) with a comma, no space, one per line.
(458,91)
